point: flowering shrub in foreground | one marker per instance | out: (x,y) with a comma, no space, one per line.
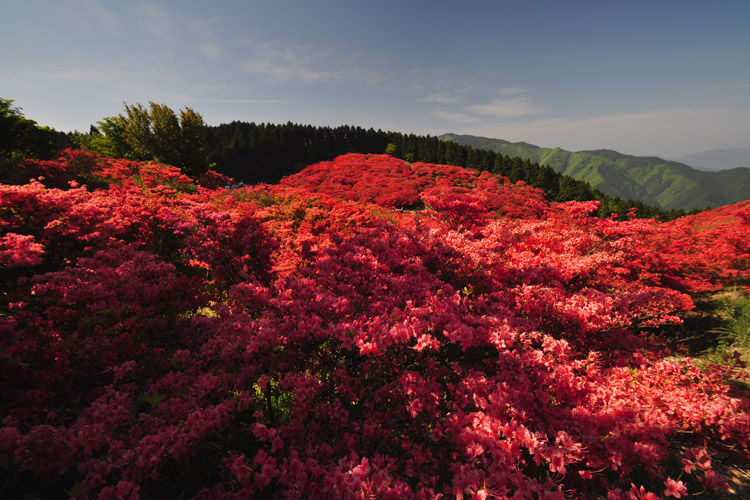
(160,339)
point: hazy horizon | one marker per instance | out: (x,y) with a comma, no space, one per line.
(665,79)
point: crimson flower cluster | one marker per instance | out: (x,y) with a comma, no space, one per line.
(368,328)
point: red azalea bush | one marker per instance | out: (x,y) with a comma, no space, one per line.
(161,339)
(380,179)
(703,251)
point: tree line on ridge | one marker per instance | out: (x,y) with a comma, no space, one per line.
(265,152)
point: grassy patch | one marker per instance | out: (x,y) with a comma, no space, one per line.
(733,336)
(717,330)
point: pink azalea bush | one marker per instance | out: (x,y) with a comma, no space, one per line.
(368,328)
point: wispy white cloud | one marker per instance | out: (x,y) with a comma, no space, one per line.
(127,83)
(205,34)
(284,62)
(507,107)
(104,79)
(112,84)
(514,102)
(211,51)
(511,91)
(104,16)
(443,97)
(454,116)
(667,132)
(243,101)
(155,20)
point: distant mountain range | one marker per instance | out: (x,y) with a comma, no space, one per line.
(718,159)
(653,180)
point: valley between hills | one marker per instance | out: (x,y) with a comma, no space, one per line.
(653,180)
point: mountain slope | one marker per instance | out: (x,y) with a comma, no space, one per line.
(669,184)
(718,159)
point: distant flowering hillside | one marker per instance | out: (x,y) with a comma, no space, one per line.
(368,328)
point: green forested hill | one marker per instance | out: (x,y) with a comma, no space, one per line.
(669,184)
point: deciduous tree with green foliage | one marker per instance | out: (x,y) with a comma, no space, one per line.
(107,138)
(158,133)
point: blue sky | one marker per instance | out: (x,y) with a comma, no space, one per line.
(665,78)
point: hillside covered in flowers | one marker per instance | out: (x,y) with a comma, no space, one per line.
(367,328)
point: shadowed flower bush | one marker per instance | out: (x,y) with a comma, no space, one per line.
(368,328)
